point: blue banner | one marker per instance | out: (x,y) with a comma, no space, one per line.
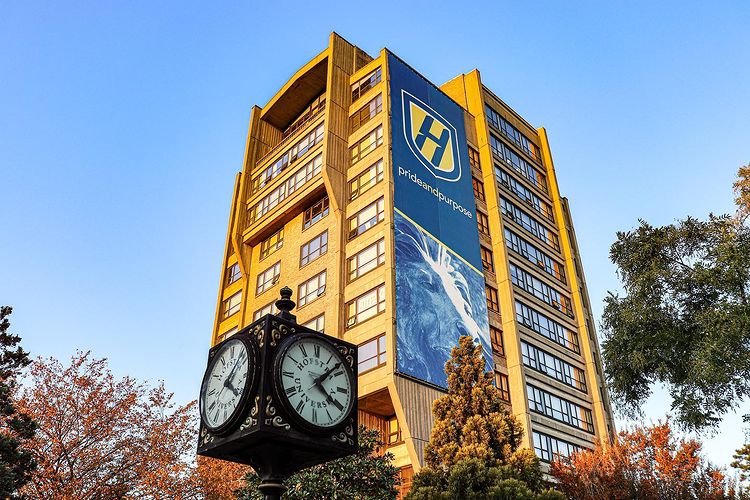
(439,284)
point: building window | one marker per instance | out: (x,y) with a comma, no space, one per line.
(290,156)
(366,260)
(474,158)
(233,273)
(270,201)
(548,448)
(537,229)
(487,262)
(513,134)
(267,309)
(534,255)
(367,144)
(311,289)
(501,381)
(557,408)
(272,243)
(366,180)
(541,290)
(366,218)
(227,334)
(318,323)
(496,339)
(371,354)
(365,114)
(314,248)
(478,188)
(268,278)
(232,305)
(550,365)
(316,106)
(547,327)
(483,223)
(524,194)
(492,303)
(394,432)
(315,213)
(365,306)
(362,86)
(505,154)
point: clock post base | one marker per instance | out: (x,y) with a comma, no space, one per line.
(272,488)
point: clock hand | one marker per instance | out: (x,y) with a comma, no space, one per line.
(326,373)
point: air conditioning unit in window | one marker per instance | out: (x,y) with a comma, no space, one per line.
(275,280)
(351,321)
(321,290)
(505,183)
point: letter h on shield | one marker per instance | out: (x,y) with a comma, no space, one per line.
(441,142)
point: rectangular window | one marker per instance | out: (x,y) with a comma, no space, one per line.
(316,212)
(301,147)
(524,194)
(534,255)
(537,229)
(483,223)
(492,303)
(268,278)
(272,243)
(366,145)
(543,362)
(267,309)
(496,339)
(227,334)
(540,290)
(487,263)
(506,155)
(233,273)
(557,408)
(366,180)
(547,327)
(318,323)
(316,106)
(366,218)
(548,448)
(478,188)
(314,248)
(394,432)
(371,354)
(365,113)
(311,289)
(232,305)
(361,87)
(365,306)
(270,201)
(501,381)
(513,134)
(474,158)
(366,260)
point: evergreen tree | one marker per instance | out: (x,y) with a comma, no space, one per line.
(474,450)
(16,462)
(363,476)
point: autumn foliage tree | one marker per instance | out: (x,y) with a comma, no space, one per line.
(647,463)
(16,426)
(105,437)
(475,445)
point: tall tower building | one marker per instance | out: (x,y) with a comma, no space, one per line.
(404,215)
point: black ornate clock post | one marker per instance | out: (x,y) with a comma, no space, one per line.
(279,397)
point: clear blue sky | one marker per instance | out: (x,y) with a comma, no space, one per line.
(123,124)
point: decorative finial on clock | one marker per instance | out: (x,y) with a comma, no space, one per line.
(286,304)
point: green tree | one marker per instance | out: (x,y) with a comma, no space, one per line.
(475,445)
(363,476)
(684,320)
(16,427)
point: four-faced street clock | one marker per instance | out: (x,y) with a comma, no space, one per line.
(279,397)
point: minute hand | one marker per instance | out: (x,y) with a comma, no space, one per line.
(326,373)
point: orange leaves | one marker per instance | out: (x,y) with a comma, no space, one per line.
(647,463)
(106,437)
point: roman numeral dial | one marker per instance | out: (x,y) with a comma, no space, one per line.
(315,382)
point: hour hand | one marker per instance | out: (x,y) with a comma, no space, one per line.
(326,373)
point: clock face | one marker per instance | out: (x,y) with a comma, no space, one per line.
(227,380)
(315,382)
